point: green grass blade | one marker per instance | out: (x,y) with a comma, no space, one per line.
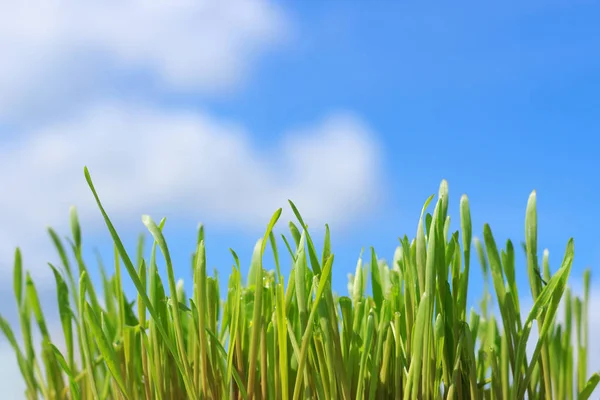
(138,284)
(325,274)
(105,348)
(589,387)
(257,317)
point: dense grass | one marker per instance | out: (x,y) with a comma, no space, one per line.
(408,336)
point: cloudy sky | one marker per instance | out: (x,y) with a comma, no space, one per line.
(218,112)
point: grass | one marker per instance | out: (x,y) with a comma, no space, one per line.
(408,336)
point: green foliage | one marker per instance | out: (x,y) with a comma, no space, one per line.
(406,335)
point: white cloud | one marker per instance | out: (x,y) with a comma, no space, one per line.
(175,163)
(61,51)
(148,160)
(60,57)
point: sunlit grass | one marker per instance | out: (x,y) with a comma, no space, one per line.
(407,335)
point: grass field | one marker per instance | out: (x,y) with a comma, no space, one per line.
(407,334)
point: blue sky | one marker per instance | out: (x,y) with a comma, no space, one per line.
(355,110)
(498,101)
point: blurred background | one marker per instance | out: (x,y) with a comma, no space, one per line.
(219,112)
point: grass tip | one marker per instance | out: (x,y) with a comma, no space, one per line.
(444,186)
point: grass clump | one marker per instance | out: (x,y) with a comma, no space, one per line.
(410,336)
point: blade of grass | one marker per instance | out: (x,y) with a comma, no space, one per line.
(138,284)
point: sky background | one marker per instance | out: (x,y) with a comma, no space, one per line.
(218,112)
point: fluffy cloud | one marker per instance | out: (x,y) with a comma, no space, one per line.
(147,160)
(65,51)
(70,61)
